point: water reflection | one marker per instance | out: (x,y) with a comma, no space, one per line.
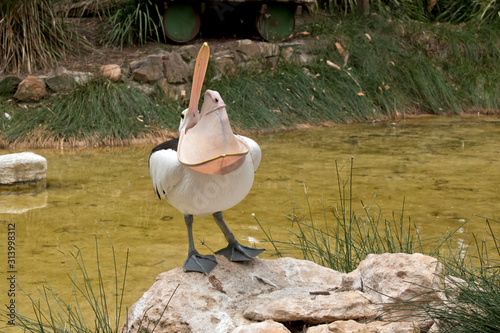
(18,203)
(446,170)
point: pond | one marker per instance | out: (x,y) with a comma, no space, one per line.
(445,170)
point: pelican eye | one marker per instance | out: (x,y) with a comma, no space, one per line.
(216,100)
(182,116)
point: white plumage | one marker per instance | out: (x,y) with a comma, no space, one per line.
(199,194)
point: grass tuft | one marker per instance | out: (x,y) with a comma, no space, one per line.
(134,21)
(471,270)
(342,243)
(91,309)
(33,38)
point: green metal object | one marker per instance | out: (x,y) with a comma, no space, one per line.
(182,22)
(276,22)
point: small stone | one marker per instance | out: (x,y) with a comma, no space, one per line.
(111,72)
(31,89)
(250,49)
(267,326)
(148,70)
(188,52)
(287,54)
(63,80)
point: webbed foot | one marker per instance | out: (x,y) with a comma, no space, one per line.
(196,262)
(237,252)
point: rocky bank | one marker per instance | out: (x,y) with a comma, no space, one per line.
(290,295)
(169,70)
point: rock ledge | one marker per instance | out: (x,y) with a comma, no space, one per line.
(288,295)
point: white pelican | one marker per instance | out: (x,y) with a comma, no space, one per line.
(206,170)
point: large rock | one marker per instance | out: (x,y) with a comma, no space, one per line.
(147,70)
(31,89)
(393,279)
(269,295)
(22,169)
(267,326)
(176,70)
(216,303)
(62,80)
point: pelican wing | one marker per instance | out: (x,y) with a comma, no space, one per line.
(255,151)
(164,168)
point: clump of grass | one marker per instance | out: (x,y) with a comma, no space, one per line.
(472,270)
(33,38)
(98,113)
(342,243)
(52,313)
(134,21)
(449,11)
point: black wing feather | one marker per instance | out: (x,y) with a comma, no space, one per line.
(170,144)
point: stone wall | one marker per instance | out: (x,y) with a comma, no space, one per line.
(170,71)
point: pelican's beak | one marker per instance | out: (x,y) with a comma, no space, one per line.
(200,69)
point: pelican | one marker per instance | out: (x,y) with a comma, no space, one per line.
(207,170)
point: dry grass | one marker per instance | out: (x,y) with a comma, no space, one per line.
(32,37)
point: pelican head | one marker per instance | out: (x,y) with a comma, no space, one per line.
(183,119)
(212,103)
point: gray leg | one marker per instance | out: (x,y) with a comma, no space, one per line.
(196,262)
(234,250)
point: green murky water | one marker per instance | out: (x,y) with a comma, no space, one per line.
(447,169)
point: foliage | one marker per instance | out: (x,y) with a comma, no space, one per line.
(135,21)
(100,112)
(52,312)
(341,238)
(343,242)
(32,37)
(365,68)
(449,11)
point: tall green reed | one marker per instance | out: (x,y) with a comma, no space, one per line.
(343,237)
(133,22)
(91,308)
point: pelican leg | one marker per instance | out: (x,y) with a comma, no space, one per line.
(234,251)
(196,262)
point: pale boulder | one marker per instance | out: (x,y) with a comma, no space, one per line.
(394,277)
(62,80)
(351,326)
(216,303)
(22,168)
(294,304)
